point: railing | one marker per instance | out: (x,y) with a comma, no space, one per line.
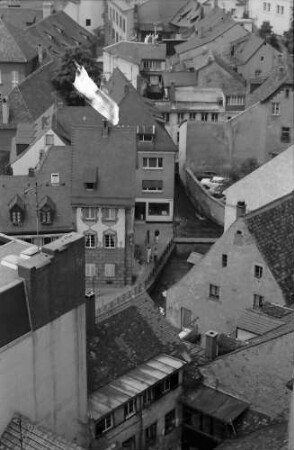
(122,301)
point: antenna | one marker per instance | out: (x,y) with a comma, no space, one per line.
(27,191)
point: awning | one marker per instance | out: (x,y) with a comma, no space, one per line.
(215,404)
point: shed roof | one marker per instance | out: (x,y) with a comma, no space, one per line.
(215,404)
(135,52)
(131,384)
(14,46)
(257,323)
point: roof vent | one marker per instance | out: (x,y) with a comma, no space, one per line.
(211,344)
(28,252)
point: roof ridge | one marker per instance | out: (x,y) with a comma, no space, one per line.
(269,205)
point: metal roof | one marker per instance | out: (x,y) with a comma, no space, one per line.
(135,382)
(258,323)
(215,404)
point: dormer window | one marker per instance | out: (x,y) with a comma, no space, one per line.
(16,210)
(146,134)
(90,178)
(46,210)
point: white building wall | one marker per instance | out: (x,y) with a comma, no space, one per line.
(43,376)
(31,157)
(266,184)
(87,9)
(130,71)
(100,227)
(261,12)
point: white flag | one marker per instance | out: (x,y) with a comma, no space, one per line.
(98,99)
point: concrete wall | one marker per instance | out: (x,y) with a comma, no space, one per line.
(271,181)
(31,157)
(207,205)
(258,375)
(130,70)
(236,282)
(43,377)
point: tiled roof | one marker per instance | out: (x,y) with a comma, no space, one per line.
(273,229)
(70,116)
(213,18)
(14,47)
(182,78)
(111,153)
(211,35)
(248,47)
(21,17)
(58,32)
(127,339)
(272,437)
(31,98)
(160,12)
(280,76)
(257,323)
(57,159)
(133,110)
(22,434)
(135,52)
(187,15)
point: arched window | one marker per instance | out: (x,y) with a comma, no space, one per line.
(109,239)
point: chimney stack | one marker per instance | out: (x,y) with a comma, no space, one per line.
(5,111)
(47,9)
(211,346)
(240,209)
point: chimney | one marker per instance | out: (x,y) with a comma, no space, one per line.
(47,9)
(240,209)
(211,347)
(105,128)
(40,53)
(5,111)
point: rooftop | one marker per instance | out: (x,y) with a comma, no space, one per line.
(187,15)
(181,78)
(272,226)
(128,339)
(14,47)
(257,322)
(20,17)
(135,52)
(134,382)
(247,48)
(21,432)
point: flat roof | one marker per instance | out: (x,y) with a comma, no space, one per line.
(136,381)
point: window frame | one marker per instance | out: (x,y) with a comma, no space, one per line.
(204,117)
(90,238)
(130,408)
(109,239)
(285,134)
(90,270)
(151,434)
(258,301)
(276,110)
(86,210)
(46,216)
(224,260)
(258,271)
(170,419)
(16,216)
(214,292)
(106,426)
(158,161)
(158,188)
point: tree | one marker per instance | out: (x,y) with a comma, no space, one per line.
(243,169)
(65,74)
(266,33)
(288,39)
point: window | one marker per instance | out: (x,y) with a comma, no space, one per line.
(90,240)
(130,408)
(0,77)
(109,270)
(90,270)
(16,217)
(186,317)
(166,117)
(152,185)
(214,291)
(152,163)
(150,434)
(214,117)
(258,270)
(88,22)
(204,117)
(103,425)
(124,25)
(287,91)
(258,301)
(180,117)
(224,260)
(145,137)
(235,100)
(130,444)
(285,134)
(158,209)
(89,213)
(109,214)
(147,397)
(268,6)
(166,385)
(170,421)
(49,139)
(150,64)
(178,137)
(46,216)
(15,77)
(192,116)
(275,109)
(55,179)
(109,239)
(264,6)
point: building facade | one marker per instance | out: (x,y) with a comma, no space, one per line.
(278,13)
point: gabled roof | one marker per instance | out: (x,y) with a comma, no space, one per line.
(187,14)
(21,17)
(31,98)
(127,339)
(57,32)
(22,432)
(160,12)
(248,47)
(70,116)
(272,226)
(210,36)
(212,19)
(112,151)
(135,52)
(133,110)
(23,187)
(14,46)
(179,78)
(280,76)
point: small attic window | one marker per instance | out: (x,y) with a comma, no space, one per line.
(17,211)
(55,179)
(90,178)
(146,134)
(47,211)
